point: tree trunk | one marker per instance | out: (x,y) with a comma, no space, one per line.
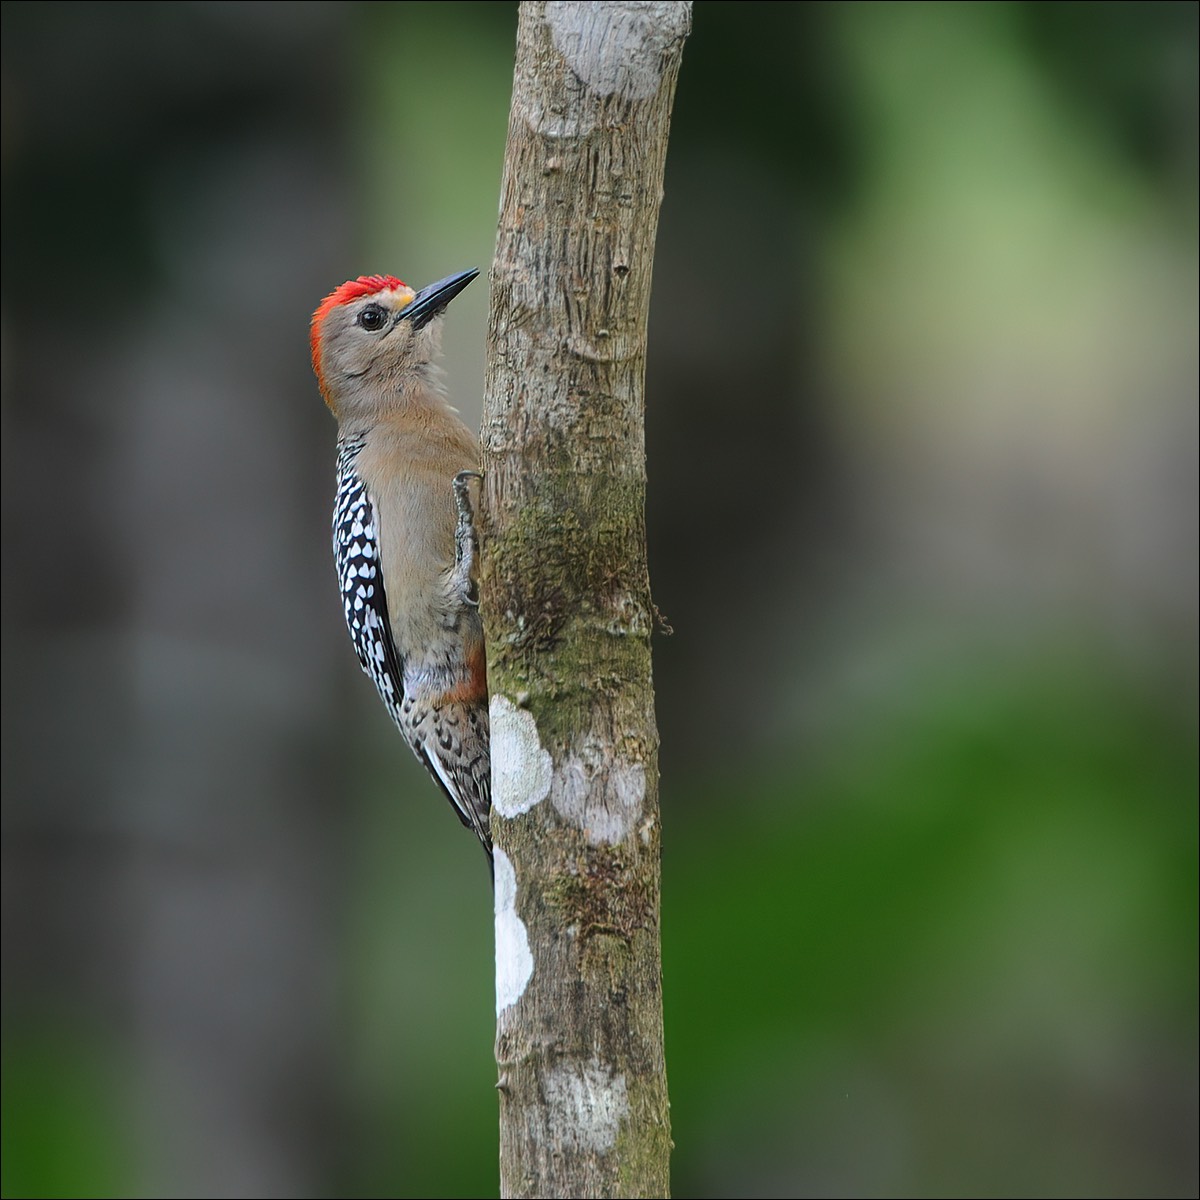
(566,599)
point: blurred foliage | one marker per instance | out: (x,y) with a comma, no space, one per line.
(929,960)
(922,454)
(63,1135)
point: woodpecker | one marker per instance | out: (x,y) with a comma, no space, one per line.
(403,529)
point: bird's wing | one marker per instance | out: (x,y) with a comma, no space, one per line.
(360,581)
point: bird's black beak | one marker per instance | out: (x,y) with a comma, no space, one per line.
(430,301)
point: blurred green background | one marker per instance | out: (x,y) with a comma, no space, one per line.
(923,513)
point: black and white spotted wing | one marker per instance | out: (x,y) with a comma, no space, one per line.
(356,553)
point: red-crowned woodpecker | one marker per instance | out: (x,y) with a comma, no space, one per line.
(403,530)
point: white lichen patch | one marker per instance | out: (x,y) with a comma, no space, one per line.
(587,1104)
(617,49)
(603,799)
(521,766)
(514,962)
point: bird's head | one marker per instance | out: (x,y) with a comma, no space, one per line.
(371,331)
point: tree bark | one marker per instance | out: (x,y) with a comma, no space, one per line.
(566,602)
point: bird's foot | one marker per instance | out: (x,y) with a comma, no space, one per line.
(466,541)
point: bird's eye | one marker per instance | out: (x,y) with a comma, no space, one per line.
(373,318)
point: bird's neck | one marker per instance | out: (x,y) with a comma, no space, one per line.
(413,393)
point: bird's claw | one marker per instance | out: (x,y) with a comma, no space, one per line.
(466,541)
(462,495)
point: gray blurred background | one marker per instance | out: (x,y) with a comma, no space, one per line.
(923,514)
